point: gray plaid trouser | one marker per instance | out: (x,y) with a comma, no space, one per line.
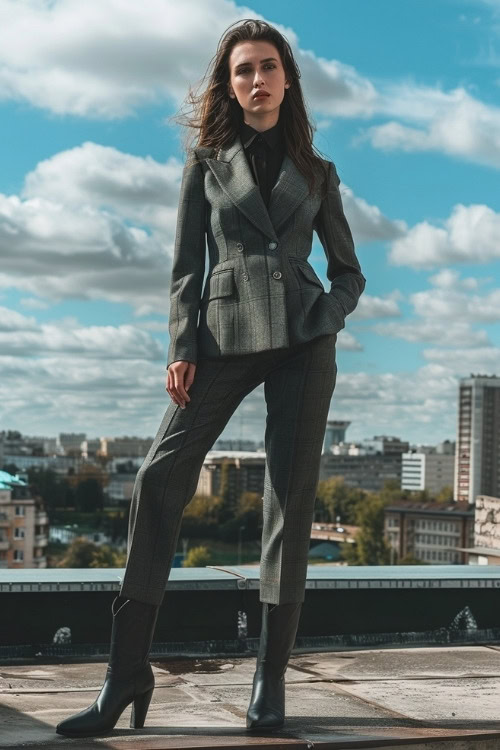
(298,383)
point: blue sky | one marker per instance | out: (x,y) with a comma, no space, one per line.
(405,97)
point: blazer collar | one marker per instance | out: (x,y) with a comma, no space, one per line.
(273,137)
(231,169)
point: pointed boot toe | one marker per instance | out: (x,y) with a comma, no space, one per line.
(267,707)
(279,628)
(129,676)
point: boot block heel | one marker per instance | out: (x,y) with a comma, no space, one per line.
(140,707)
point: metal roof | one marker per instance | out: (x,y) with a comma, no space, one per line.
(7,480)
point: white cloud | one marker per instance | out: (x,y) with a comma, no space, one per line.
(105,59)
(453,123)
(71,235)
(333,88)
(485,360)
(469,235)
(138,188)
(78,392)
(60,252)
(445,333)
(419,405)
(449,278)
(346,341)
(367,222)
(12,321)
(99,395)
(377,307)
(75,58)
(452,305)
(25,337)
(446,313)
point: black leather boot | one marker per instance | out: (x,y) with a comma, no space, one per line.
(129,675)
(277,638)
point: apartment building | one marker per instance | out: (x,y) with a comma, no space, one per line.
(246,470)
(477,467)
(23,525)
(434,533)
(367,465)
(427,470)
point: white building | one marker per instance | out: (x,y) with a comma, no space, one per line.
(427,471)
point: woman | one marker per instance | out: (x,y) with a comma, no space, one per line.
(254,190)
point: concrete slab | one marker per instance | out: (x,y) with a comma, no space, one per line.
(446,698)
(401,663)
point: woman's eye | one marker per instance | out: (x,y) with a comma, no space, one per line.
(247,70)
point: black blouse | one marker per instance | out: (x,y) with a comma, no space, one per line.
(264,152)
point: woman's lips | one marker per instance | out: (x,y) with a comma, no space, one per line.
(260,96)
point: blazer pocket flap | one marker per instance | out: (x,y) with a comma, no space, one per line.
(221,284)
(310,274)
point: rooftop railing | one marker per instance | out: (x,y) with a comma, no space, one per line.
(216,610)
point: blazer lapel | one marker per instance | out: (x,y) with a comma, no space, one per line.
(234,175)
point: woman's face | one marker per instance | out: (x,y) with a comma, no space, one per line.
(254,66)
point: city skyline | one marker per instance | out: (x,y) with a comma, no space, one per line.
(89,190)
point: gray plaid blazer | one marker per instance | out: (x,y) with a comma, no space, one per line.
(260,292)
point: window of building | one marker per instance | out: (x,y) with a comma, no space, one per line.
(19,532)
(20,510)
(18,555)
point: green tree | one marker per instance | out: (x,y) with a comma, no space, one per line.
(89,495)
(422,496)
(49,485)
(107,557)
(79,554)
(335,498)
(201,517)
(411,560)
(370,547)
(445,495)
(247,514)
(197,557)
(82,553)
(391,492)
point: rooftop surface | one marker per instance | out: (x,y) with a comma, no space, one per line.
(419,697)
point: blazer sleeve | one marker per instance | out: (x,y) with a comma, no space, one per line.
(188,266)
(343,271)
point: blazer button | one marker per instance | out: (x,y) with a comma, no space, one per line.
(239,246)
(277,274)
(273,245)
(244,276)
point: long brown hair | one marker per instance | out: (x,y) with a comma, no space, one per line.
(217,117)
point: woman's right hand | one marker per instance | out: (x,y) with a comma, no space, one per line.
(180,375)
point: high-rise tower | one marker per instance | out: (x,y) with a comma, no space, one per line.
(477,464)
